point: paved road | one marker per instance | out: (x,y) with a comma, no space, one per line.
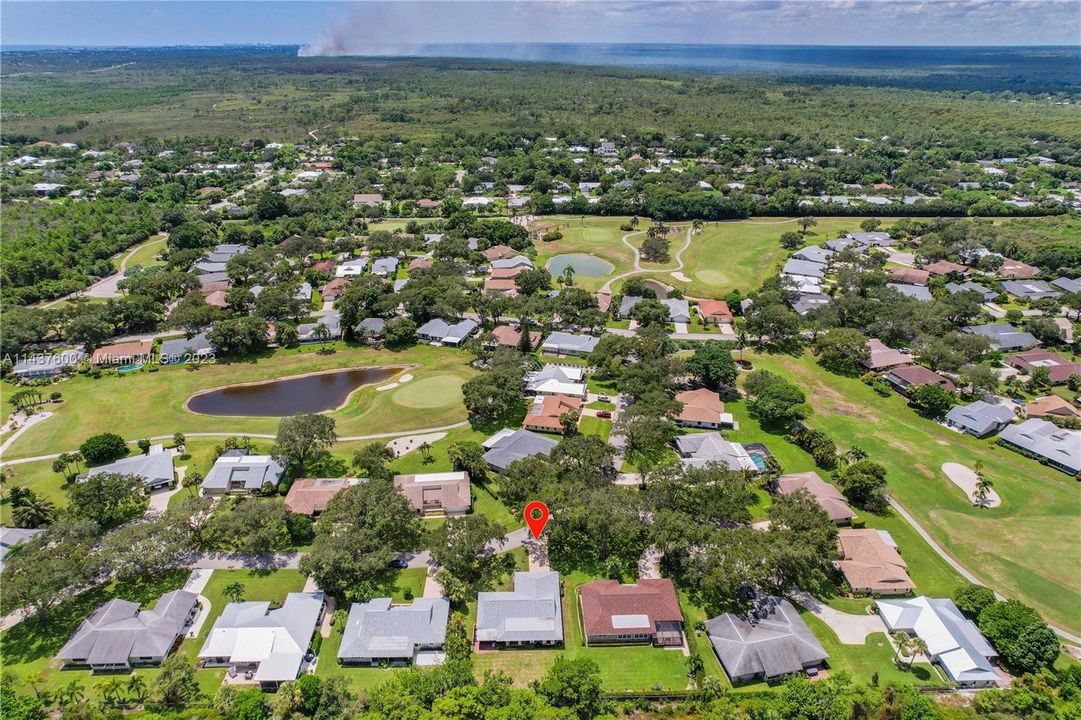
(107,286)
(961,570)
(26,425)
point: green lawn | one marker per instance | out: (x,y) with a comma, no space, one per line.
(598,236)
(145,254)
(1015,548)
(145,404)
(590,425)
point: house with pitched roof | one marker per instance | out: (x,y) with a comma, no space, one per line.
(1051,406)
(120,636)
(530,614)
(714,311)
(437,494)
(511,337)
(545,411)
(979,418)
(557,380)
(561,343)
(768,643)
(310,496)
(908,275)
(906,377)
(182,350)
(37,366)
(1058,447)
(871,564)
(827,496)
(241,474)
(1004,336)
(1059,369)
(1029,289)
(945,267)
(154,468)
(438,330)
(883,357)
(128,353)
(916,292)
(646,611)
(498,252)
(703,408)
(508,445)
(985,294)
(953,641)
(380,632)
(385,266)
(270,643)
(701,449)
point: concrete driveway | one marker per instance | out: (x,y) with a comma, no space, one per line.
(850,629)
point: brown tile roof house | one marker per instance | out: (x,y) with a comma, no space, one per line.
(828,497)
(334,289)
(1017,269)
(213,287)
(909,376)
(324,266)
(715,311)
(122,353)
(309,496)
(543,414)
(702,408)
(604,301)
(426,204)
(1059,367)
(871,565)
(912,276)
(498,252)
(945,267)
(501,285)
(217,299)
(437,493)
(506,273)
(421,263)
(1051,406)
(510,336)
(647,611)
(367,199)
(883,357)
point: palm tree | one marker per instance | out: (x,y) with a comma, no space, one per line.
(137,687)
(234,591)
(426,452)
(916,646)
(110,690)
(696,226)
(35,681)
(192,480)
(34,512)
(568,275)
(982,490)
(321,333)
(741,336)
(634,221)
(900,642)
(72,694)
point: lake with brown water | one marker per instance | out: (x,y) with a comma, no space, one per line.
(289,396)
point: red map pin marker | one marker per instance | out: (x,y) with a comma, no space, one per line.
(536,517)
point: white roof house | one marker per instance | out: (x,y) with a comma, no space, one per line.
(351,268)
(557,380)
(1060,447)
(952,639)
(531,614)
(241,473)
(249,635)
(561,343)
(700,449)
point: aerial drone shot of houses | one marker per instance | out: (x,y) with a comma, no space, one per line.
(802,414)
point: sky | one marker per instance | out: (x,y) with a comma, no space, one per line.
(394,26)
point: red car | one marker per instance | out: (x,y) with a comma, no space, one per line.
(604,414)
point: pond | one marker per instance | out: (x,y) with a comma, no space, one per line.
(280,398)
(586,265)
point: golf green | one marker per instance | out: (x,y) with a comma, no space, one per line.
(431,392)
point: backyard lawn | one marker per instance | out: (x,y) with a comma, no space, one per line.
(1015,548)
(591,425)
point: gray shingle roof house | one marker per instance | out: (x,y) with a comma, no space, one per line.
(871,239)
(531,614)
(840,244)
(119,636)
(916,292)
(272,643)
(1070,285)
(385,266)
(561,343)
(155,468)
(1004,336)
(804,268)
(813,253)
(371,327)
(953,641)
(10,537)
(512,262)
(979,418)
(700,449)
(679,310)
(351,268)
(46,365)
(508,445)
(243,474)
(440,331)
(184,350)
(1030,289)
(969,286)
(332,321)
(1061,448)
(803,303)
(378,631)
(772,643)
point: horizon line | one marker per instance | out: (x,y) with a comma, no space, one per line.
(30,47)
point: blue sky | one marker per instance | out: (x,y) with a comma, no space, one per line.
(391,26)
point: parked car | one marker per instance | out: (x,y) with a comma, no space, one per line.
(603,398)
(604,414)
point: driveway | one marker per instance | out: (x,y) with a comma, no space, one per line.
(850,629)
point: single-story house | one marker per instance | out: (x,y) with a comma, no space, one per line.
(498,252)
(916,292)
(882,357)
(557,380)
(544,413)
(953,641)
(506,286)
(183,350)
(306,332)
(906,377)
(508,445)
(41,365)
(797,268)
(351,268)
(506,273)
(814,253)
(1059,447)
(703,408)
(701,449)
(155,469)
(11,537)
(129,353)
(428,204)
(1067,285)
(986,294)
(1059,368)
(420,263)
(1029,289)
(1051,406)
(309,496)
(1004,336)
(870,564)
(241,474)
(379,632)
(510,336)
(561,343)
(804,302)
(876,238)
(979,418)
(441,493)
(768,643)
(827,496)
(679,310)
(334,289)
(217,299)
(530,614)
(367,199)
(271,643)
(371,327)
(438,330)
(385,266)
(714,311)
(645,611)
(120,636)
(909,275)
(512,262)
(945,267)
(1017,269)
